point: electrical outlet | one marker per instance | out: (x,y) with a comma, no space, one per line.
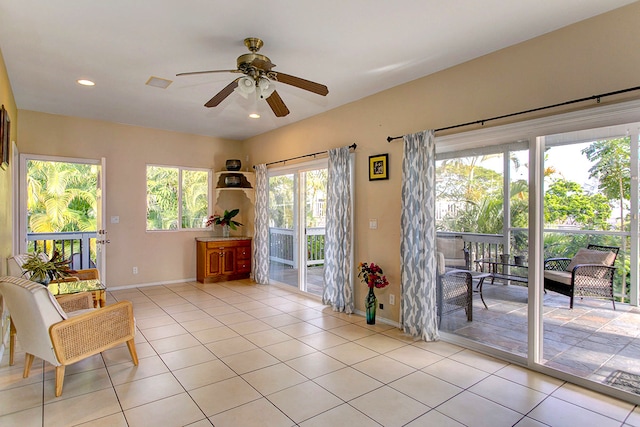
(381,306)
(135,270)
(392,299)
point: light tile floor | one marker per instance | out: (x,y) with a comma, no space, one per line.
(239,354)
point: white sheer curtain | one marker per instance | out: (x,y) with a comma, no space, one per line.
(260,264)
(338,289)
(418,315)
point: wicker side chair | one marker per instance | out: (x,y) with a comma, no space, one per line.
(49,333)
(588,274)
(454,290)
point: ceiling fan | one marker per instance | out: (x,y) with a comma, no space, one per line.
(258,79)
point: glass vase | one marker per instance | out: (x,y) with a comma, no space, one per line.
(225,231)
(370,304)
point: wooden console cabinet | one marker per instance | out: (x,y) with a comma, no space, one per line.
(220,259)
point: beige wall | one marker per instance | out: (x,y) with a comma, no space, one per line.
(159,256)
(6,215)
(594,56)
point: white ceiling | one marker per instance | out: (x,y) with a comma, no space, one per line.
(355,47)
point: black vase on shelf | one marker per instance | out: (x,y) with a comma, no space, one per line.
(232,181)
(233,164)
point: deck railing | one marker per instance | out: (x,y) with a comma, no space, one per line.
(74,245)
(281,248)
(479,245)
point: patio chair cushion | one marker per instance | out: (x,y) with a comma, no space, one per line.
(563,277)
(453,250)
(589,256)
(440,263)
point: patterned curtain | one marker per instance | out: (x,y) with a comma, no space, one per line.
(260,264)
(338,289)
(418,315)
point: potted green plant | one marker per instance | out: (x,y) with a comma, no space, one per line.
(42,270)
(225,220)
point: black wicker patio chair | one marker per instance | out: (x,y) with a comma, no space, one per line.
(588,274)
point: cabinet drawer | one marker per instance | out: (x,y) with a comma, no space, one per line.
(243,266)
(244,252)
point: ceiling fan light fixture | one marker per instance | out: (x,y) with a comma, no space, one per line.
(266,87)
(246,86)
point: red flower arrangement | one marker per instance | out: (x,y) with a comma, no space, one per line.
(372,275)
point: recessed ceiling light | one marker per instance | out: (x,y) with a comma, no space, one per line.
(85,82)
(254,115)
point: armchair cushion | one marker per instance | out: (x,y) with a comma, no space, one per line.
(453,251)
(563,277)
(589,256)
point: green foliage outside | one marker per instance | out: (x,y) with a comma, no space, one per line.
(61,197)
(162,198)
(281,192)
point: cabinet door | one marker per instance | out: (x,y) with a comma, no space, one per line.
(214,262)
(228,260)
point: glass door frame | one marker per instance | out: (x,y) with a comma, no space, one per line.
(299,211)
(101,200)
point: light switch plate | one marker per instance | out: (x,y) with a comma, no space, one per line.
(373,224)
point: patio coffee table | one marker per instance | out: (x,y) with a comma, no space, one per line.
(480,276)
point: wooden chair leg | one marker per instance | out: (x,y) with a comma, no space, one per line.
(132,350)
(59,379)
(12,342)
(28,361)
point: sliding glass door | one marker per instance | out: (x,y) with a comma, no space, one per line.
(297,212)
(527,200)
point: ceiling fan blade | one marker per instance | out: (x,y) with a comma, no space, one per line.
(220,96)
(193,73)
(301,83)
(277,105)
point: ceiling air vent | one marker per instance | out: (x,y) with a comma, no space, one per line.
(158,82)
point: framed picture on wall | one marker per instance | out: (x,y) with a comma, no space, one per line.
(378,167)
(5,137)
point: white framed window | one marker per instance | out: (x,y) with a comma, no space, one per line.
(177,197)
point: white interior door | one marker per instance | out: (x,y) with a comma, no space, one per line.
(102,239)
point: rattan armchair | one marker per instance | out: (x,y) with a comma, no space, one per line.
(49,333)
(588,274)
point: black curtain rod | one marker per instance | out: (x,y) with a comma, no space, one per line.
(482,122)
(353,146)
